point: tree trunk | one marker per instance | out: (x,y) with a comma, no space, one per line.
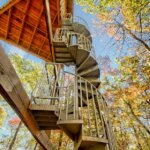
(137,138)
(145,138)
(35,146)
(136,118)
(60,140)
(136,38)
(15,136)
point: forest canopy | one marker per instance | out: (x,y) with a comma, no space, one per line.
(126,88)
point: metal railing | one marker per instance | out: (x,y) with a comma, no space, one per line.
(75,98)
(69,19)
(80,20)
(46,90)
(72,38)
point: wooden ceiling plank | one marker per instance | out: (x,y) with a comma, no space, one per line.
(8,6)
(58,11)
(30,25)
(49,27)
(33,15)
(8,23)
(54,19)
(35,29)
(42,46)
(23,21)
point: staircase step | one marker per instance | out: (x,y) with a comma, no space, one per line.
(63,55)
(91,80)
(59,44)
(71,127)
(94,81)
(70,109)
(73,50)
(61,49)
(81,56)
(64,60)
(42,107)
(46,119)
(87,63)
(62,116)
(80,28)
(84,101)
(94,73)
(91,143)
(49,127)
(84,90)
(88,70)
(45,116)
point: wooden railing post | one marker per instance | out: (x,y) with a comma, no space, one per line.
(96,120)
(89,116)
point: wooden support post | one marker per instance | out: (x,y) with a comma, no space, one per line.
(49,26)
(13,92)
(89,116)
(76,97)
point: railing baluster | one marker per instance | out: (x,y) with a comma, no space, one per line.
(74,100)
(67,98)
(102,120)
(96,122)
(87,97)
(76,97)
(110,133)
(81,98)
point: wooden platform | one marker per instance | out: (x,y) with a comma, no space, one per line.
(71,127)
(91,143)
(44,116)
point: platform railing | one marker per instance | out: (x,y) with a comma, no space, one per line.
(69,19)
(61,35)
(72,38)
(75,98)
(80,20)
(46,90)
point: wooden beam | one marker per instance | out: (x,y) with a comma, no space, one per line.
(13,92)
(58,11)
(23,20)
(54,19)
(9,5)
(41,46)
(8,22)
(49,27)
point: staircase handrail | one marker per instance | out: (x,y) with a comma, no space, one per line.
(64,35)
(67,17)
(77,19)
(80,20)
(105,114)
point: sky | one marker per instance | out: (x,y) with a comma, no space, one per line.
(3,2)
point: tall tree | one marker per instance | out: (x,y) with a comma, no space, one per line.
(123,20)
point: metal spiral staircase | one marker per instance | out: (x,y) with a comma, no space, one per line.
(70,101)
